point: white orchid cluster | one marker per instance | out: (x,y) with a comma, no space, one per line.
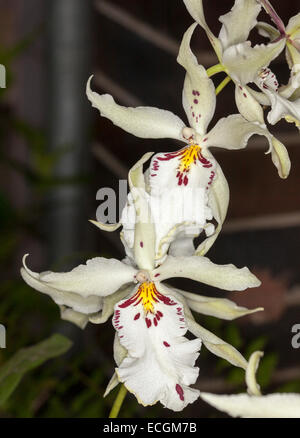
(155,361)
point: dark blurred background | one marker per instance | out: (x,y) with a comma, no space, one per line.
(56,152)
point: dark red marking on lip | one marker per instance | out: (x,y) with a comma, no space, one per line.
(245,95)
(137,316)
(166,344)
(148,322)
(195,101)
(141,244)
(156,275)
(180,392)
(155,321)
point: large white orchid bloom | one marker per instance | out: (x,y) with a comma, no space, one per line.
(241,61)
(151,318)
(173,176)
(253,404)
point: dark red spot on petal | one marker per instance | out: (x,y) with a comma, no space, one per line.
(180,392)
(141,244)
(137,316)
(166,344)
(195,101)
(148,322)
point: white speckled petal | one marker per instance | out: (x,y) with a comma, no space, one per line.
(160,362)
(143,122)
(198,97)
(279,405)
(238,23)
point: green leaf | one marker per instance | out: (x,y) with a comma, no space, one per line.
(27,359)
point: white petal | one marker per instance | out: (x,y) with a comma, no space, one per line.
(233,132)
(227,277)
(293,27)
(108,304)
(244,62)
(217,345)
(143,122)
(195,8)
(198,98)
(268,31)
(82,288)
(218,201)
(217,307)
(180,183)
(238,23)
(144,229)
(160,361)
(267,406)
(77,318)
(105,227)
(182,246)
(253,387)
(248,106)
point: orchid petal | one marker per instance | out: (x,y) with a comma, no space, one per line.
(119,355)
(285,405)
(195,9)
(248,106)
(244,62)
(238,23)
(105,227)
(182,246)
(293,27)
(233,132)
(109,303)
(144,231)
(252,385)
(160,361)
(83,288)
(217,307)
(143,122)
(77,318)
(217,345)
(267,30)
(199,98)
(218,201)
(227,277)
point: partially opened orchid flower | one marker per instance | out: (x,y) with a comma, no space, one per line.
(253,404)
(193,166)
(155,361)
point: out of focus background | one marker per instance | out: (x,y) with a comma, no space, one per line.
(56,153)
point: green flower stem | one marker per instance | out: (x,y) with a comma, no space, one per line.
(118,402)
(218,68)
(223,85)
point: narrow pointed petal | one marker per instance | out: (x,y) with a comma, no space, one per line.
(218,202)
(252,385)
(198,98)
(216,345)
(233,132)
(160,361)
(83,288)
(143,122)
(268,31)
(217,307)
(248,106)
(247,406)
(195,8)
(119,355)
(244,62)
(238,23)
(227,277)
(293,27)
(143,232)
(105,227)
(77,318)
(108,304)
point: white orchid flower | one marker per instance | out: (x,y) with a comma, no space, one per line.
(284,100)
(253,404)
(150,317)
(193,167)
(236,56)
